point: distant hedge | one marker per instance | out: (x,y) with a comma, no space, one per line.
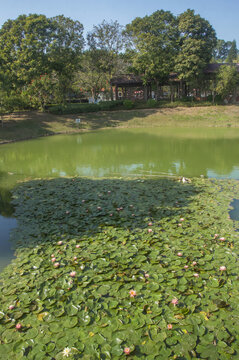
(85,108)
(74,108)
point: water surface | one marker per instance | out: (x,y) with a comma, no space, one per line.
(212,152)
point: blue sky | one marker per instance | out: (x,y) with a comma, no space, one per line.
(222,14)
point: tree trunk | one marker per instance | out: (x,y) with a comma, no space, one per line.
(145,93)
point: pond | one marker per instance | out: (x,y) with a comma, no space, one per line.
(192,152)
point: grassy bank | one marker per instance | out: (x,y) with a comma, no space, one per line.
(20,126)
(104,267)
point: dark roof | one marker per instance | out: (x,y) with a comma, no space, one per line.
(212,68)
(136,80)
(128,79)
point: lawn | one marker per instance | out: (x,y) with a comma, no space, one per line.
(20,126)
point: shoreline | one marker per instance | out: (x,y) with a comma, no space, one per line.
(32,125)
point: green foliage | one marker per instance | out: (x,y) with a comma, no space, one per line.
(41,91)
(34,45)
(106,250)
(128,104)
(111,105)
(197,42)
(73,108)
(152,103)
(154,39)
(220,52)
(227,81)
(85,108)
(106,41)
(233,52)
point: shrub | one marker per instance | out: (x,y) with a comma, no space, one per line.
(128,104)
(73,108)
(152,103)
(110,105)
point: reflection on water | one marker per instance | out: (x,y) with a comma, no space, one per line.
(212,152)
(234,213)
(6,253)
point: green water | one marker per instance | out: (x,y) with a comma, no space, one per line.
(212,152)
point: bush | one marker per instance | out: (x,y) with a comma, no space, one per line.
(152,103)
(73,108)
(15,102)
(128,104)
(110,105)
(218,99)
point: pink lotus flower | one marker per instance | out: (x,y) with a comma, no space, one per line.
(73,274)
(132,293)
(60,242)
(222,239)
(11,307)
(174,301)
(111,214)
(196,275)
(179,224)
(215,236)
(223,268)
(77,246)
(181,219)
(18,326)
(121,208)
(146,275)
(75,258)
(53,260)
(185,266)
(169,326)
(127,351)
(150,230)
(194,263)
(150,224)
(179,254)
(56,265)
(52,255)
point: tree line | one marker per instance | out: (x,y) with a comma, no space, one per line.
(46,60)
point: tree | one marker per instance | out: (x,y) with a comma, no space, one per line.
(92,77)
(233,52)
(34,45)
(227,81)
(41,91)
(108,38)
(220,52)
(64,52)
(154,42)
(24,47)
(197,41)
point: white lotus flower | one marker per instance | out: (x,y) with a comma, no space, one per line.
(66,352)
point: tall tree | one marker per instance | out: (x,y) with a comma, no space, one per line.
(154,42)
(233,52)
(108,37)
(91,77)
(227,81)
(24,45)
(33,45)
(197,41)
(220,52)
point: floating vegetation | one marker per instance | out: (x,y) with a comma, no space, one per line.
(113,268)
